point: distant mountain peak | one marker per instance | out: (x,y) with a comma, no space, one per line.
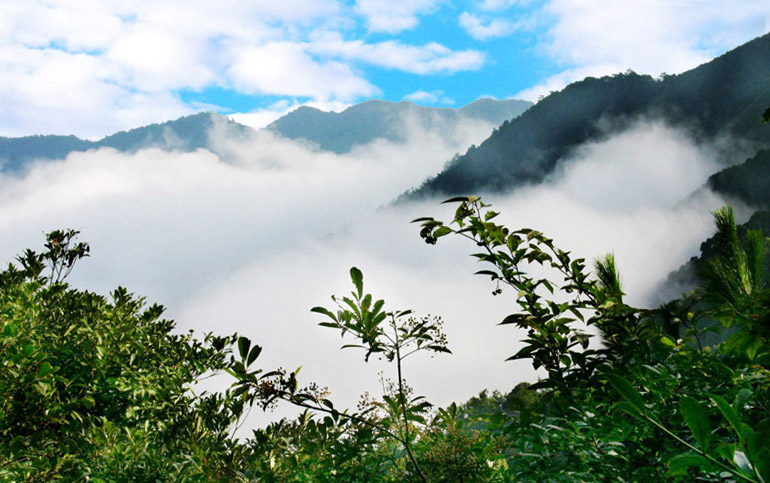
(363,123)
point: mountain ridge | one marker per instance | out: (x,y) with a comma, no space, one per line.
(189,133)
(725,95)
(364,122)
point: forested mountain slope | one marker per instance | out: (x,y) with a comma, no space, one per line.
(723,97)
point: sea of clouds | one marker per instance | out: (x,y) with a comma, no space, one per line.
(249,240)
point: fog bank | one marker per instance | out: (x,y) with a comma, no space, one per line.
(251,244)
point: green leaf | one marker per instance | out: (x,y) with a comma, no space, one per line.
(28,350)
(456,199)
(761,463)
(514,319)
(731,416)
(678,465)
(629,393)
(667,341)
(255,351)
(358,280)
(243,346)
(352,346)
(323,311)
(441,231)
(697,420)
(44,369)
(492,274)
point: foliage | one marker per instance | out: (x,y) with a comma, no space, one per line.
(101,389)
(652,359)
(392,335)
(96,388)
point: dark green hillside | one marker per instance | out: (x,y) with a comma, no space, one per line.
(524,149)
(748,182)
(688,275)
(728,92)
(724,96)
(365,122)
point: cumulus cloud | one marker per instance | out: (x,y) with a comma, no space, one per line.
(393,17)
(249,245)
(557,82)
(648,37)
(140,62)
(495,27)
(287,69)
(430,58)
(498,5)
(433,97)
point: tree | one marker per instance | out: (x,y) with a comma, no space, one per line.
(393,336)
(92,388)
(575,433)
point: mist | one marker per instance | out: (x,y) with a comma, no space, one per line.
(249,240)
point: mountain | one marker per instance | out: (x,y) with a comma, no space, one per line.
(184,134)
(726,96)
(338,132)
(14,152)
(686,277)
(365,122)
(748,182)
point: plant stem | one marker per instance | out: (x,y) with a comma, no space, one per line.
(402,400)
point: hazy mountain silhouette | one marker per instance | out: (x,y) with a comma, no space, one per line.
(184,134)
(332,131)
(365,122)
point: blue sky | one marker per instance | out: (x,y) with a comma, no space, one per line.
(93,67)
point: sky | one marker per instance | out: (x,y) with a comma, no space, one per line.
(94,67)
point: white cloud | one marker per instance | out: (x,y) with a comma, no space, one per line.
(433,97)
(595,38)
(393,17)
(430,58)
(51,91)
(498,5)
(159,61)
(562,79)
(194,233)
(650,37)
(62,58)
(262,117)
(287,69)
(477,29)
